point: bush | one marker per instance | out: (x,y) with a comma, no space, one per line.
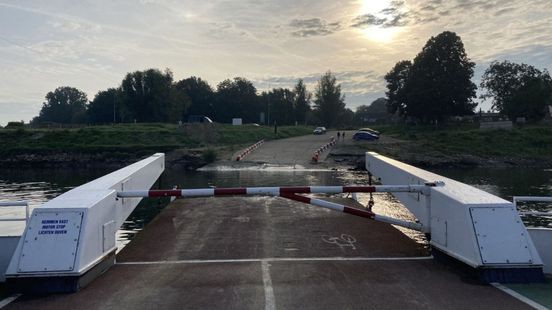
(209,155)
(15,125)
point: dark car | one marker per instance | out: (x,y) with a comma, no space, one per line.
(370,130)
(364,135)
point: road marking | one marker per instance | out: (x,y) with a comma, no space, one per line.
(343,241)
(270,303)
(6,301)
(518,296)
(275,259)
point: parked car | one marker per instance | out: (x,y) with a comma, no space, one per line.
(364,135)
(319,130)
(370,130)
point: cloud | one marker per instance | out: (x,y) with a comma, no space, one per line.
(312,27)
(392,16)
(504,11)
(392,20)
(224,30)
(69,26)
(368,20)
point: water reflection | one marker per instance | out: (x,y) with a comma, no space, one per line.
(40,185)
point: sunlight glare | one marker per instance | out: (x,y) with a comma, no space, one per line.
(373,6)
(377,33)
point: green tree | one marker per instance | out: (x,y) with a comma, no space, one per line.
(149,96)
(237,98)
(346,118)
(329,104)
(397,81)
(517,90)
(377,110)
(64,105)
(281,105)
(103,109)
(438,83)
(440,80)
(302,102)
(201,94)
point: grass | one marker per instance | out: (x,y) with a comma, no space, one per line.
(125,138)
(533,141)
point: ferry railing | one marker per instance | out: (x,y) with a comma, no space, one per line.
(517,199)
(8,204)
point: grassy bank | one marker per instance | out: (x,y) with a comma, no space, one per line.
(526,141)
(190,145)
(466,145)
(125,137)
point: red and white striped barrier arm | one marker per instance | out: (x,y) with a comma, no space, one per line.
(316,154)
(354,211)
(292,193)
(277,191)
(249,150)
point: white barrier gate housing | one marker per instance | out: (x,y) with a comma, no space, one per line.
(69,236)
(468,224)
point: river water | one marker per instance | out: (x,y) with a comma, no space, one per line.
(40,185)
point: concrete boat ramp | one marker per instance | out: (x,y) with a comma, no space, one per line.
(269,253)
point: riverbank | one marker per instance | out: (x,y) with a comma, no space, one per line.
(461,147)
(188,146)
(194,145)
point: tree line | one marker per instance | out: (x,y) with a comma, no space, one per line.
(437,84)
(153,96)
(434,86)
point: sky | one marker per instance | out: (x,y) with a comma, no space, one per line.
(91,45)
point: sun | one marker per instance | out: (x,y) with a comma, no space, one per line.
(377,33)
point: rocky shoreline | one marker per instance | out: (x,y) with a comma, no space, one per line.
(354,155)
(343,154)
(188,160)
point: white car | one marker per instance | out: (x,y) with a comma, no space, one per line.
(319,130)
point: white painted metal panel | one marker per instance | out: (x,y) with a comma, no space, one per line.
(108,233)
(542,238)
(8,245)
(50,242)
(501,236)
(458,240)
(439,231)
